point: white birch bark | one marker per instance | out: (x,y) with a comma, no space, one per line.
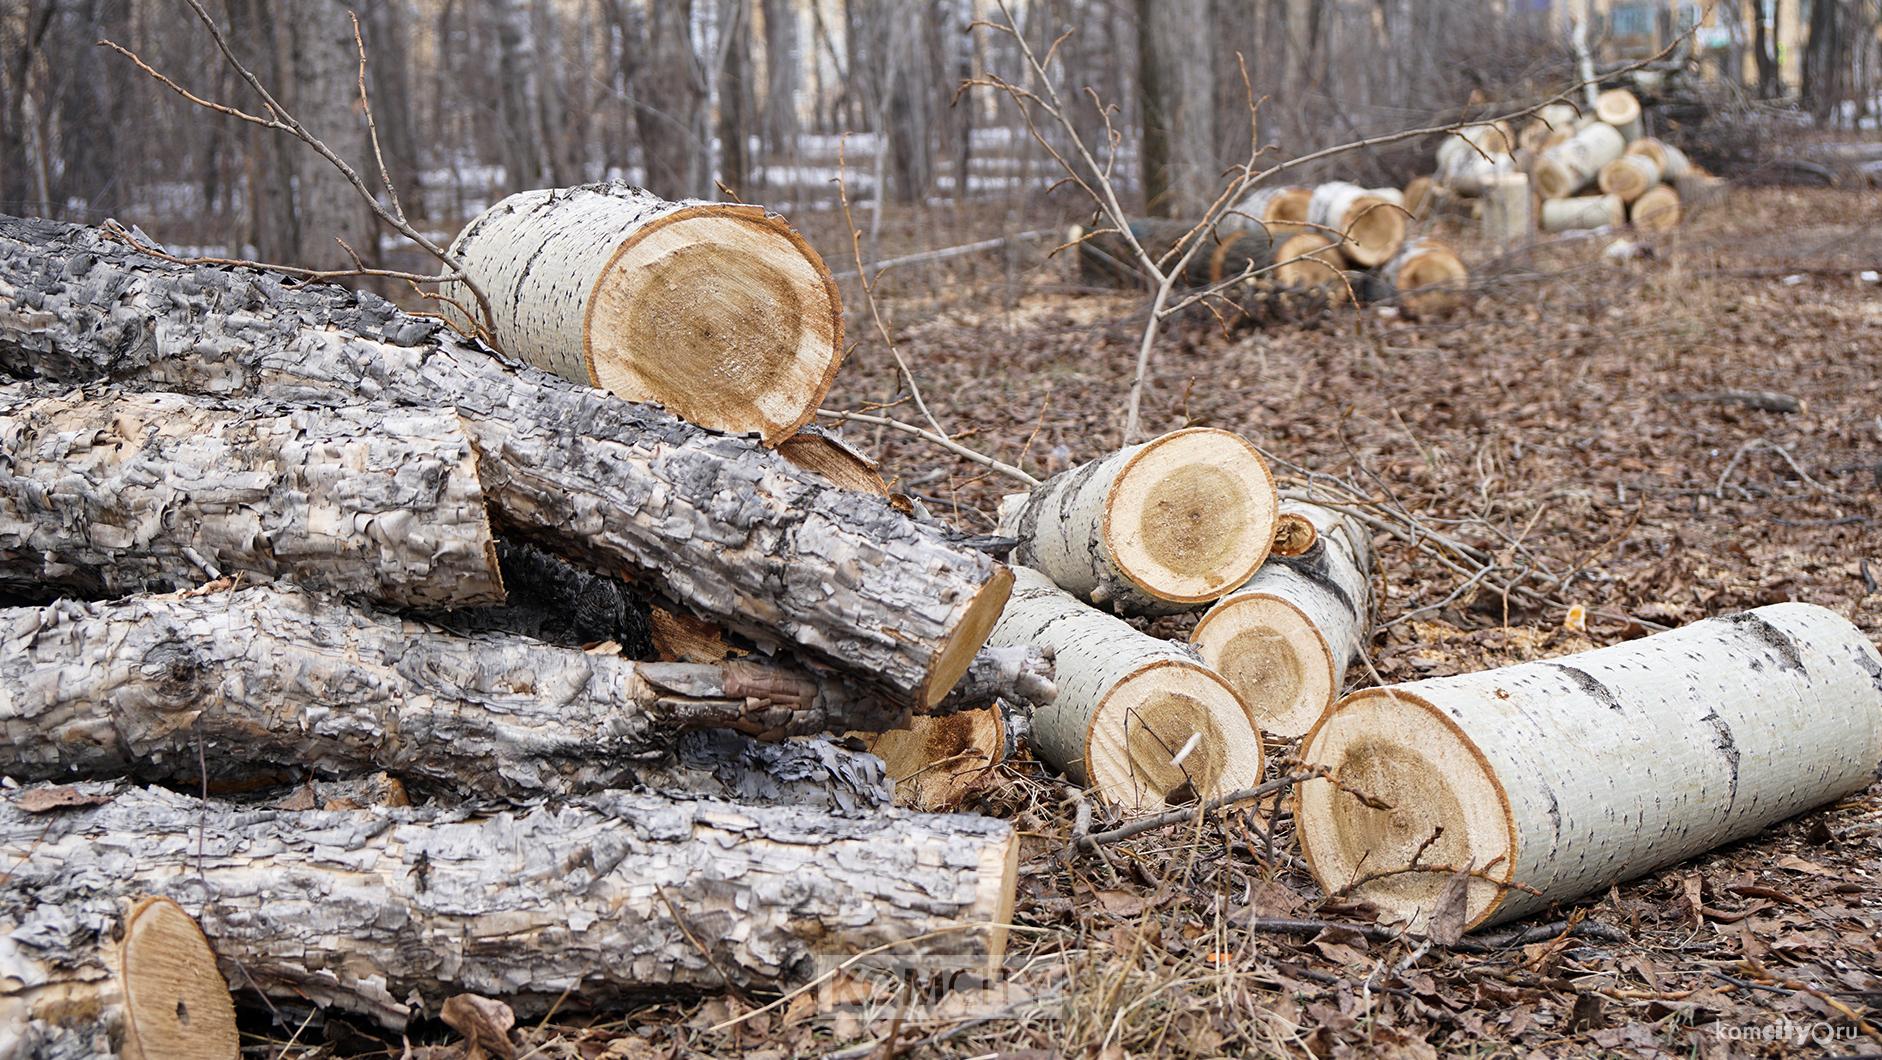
(1280,209)
(1509,216)
(1569,775)
(1370,229)
(1586,211)
(1137,720)
(585,904)
(718,311)
(109,493)
(1284,640)
(1672,162)
(1573,164)
(1154,528)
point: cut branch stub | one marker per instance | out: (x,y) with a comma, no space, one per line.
(718,311)
(1552,780)
(1370,230)
(1283,641)
(1426,276)
(1154,528)
(1137,720)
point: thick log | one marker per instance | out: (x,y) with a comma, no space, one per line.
(1587,211)
(133,980)
(1573,164)
(1620,109)
(1629,176)
(1671,160)
(1657,210)
(1154,528)
(109,493)
(1283,641)
(1278,210)
(588,904)
(238,681)
(1426,276)
(1137,720)
(718,311)
(730,530)
(1370,230)
(1567,776)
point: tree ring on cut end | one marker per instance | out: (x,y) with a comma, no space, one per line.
(1431,280)
(1191,515)
(1273,657)
(176,1002)
(1148,718)
(1374,229)
(1399,749)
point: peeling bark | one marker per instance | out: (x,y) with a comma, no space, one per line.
(734,532)
(387,913)
(109,493)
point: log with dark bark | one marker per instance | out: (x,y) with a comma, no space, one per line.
(245,680)
(559,603)
(108,493)
(730,530)
(599,902)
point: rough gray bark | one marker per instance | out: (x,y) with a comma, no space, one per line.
(386,913)
(558,603)
(732,531)
(1178,86)
(239,681)
(108,493)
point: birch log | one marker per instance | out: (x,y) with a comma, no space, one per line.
(936,761)
(1586,211)
(730,530)
(1137,720)
(1278,209)
(718,311)
(1426,277)
(1658,210)
(1628,177)
(1154,528)
(133,980)
(1620,109)
(1283,641)
(109,493)
(1571,165)
(1370,229)
(1672,162)
(1570,775)
(1306,260)
(239,681)
(1509,210)
(593,903)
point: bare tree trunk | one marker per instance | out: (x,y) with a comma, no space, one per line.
(1177,86)
(387,26)
(671,104)
(326,74)
(735,97)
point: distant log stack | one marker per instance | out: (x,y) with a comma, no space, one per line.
(718,311)
(1369,229)
(1551,780)
(1137,720)
(1426,278)
(1572,165)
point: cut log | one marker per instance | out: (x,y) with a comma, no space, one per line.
(1137,720)
(1573,164)
(1565,777)
(1629,177)
(1306,260)
(1370,229)
(1671,160)
(109,493)
(1509,214)
(1426,277)
(1621,109)
(1470,174)
(594,903)
(718,311)
(1154,528)
(1280,209)
(1245,253)
(1283,641)
(1657,210)
(936,761)
(825,454)
(82,981)
(1550,126)
(1418,197)
(1587,211)
(243,680)
(730,530)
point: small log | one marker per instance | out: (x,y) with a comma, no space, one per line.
(1619,108)
(1426,277)
(1587,211)
(589,904)
(718,311)
(1629,176)
(1278,209)
(1283,641)
(1370,229)
(1137,720)
(1671,161)
(1154,528)
(109,493)
(825,454)
(1509,211)
(728,529)
(86,980)
(936,761)
(1574,163)
(1552,780)
(1657,210)
(1307,260)
(242,680)
(1551,125)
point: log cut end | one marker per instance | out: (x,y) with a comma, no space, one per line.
(1192,515)
(936,760)
(1280,210)
(999,887)
(1447,809)
(826,455)
(176,1002)
(972,631)
(721,313)
(1375,229)
(1171,733)
(1272,655)
(1617,107)
(1552,179)
(1628,176)
(1307,259)
(1657,210)
(1294,534)
(1428,278)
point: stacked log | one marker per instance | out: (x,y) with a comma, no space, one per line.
(1629,177)
(1278,209)
(1620,109)
(1369,229)
(1585,211)
(1425,278)
(1568,167)
(1547,781)
(1656,210)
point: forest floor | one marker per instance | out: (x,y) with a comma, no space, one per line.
(1561,423)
